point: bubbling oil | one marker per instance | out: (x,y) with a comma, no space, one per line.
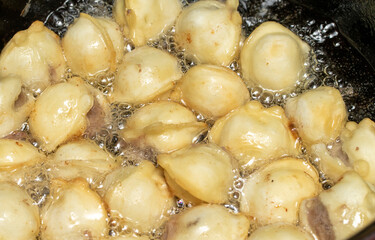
(321,70)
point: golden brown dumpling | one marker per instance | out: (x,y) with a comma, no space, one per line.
(60,113)
(165,126)
(72,212)
(274,193)
(93,45)
(204,171)
(15,105)
(144,20)
(210,31)
(273,57)
(280,231)
(358,141)
(145,73)
(208,222)
(140,195)
(254,134)
(19,215)
(212,90)
(35,56)
(319,115)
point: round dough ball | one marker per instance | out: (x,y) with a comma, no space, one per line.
(60,113)
(254,134)
(145,73)
(93,45)
(81,158)
(358,141)
(273,57)
(280,231)
(319,115)
(165,126)
(16,153)
(19,215)
(212,90)
(204,171)
(140,195)
(275,192)
(210,31)
(144,20)
(35,56)
(208,222)
(72,212)
(15,105)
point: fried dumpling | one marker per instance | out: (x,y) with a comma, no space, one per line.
(358,141)
(319,115)
(140,195)
(19,215)
(341,211)
(254,134)
(16,104)
(209,222)
(144,20)
(165,126)
(60,113)
(145,73)
(273,57)
(73,211)
(205,171)
(93,45)
(280,231)
(35,56)
(274,192)
(212,90)
(210,31)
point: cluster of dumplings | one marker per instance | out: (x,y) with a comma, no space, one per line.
(242,146)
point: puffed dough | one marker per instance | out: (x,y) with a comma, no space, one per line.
(17,153)
(19,215)
(35,56)
(212,90)
(347,207)
(210,31)
(165,126)
(254,134)
(73,211)
(144,20)
(140,195)
(60,113)
(93,45)
(204,171)
(81,158)
(273,57)
(145,73)
(15,105)
(208,222)
(280,231)
(275,192)
(319,115)
(358,141)
(127,237)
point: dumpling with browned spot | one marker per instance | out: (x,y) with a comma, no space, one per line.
(164,126)
(35,56)
(145,73)
(16,104)
(274,192)
(73,211)
(145,20)
(209,222)
(140,195)
(254,134)
(93,46)
(210,31)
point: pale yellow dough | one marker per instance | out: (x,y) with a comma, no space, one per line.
(280,231)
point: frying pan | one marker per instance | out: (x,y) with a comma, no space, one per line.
(345,29)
